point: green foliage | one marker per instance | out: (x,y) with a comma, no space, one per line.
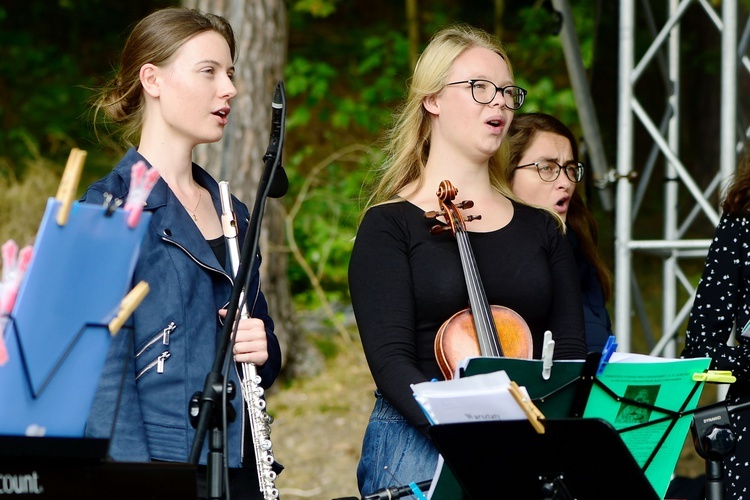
(539,61)
(53,54)
(325,225)
(23,200)
(327,345)
(336,103)
(347,70)
(316,8)
(343,100)
(353,95)
(48,113)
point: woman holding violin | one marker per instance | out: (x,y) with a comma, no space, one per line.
(406,282)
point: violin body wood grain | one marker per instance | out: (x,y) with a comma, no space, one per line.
(457,338)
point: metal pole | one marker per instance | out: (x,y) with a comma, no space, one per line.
(728,154)
(671,187)
(623,218)
(584,102)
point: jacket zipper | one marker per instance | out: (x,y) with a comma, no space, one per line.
(162,335)
(220,271)
(204,266)
(158,363)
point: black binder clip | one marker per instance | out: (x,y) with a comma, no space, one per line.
(111,203)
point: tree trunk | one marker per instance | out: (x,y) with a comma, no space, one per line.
(498,19)
(412,22)
(260,27)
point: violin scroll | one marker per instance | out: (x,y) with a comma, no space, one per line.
(446,193)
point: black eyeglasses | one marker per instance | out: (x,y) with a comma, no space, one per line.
(549,170)
(484,91)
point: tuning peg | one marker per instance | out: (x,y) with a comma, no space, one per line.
(437,229)
(465,204)
(433,214)
(470,218)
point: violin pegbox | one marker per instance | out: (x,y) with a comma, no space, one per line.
(446,193)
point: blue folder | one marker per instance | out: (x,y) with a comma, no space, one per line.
(57,335)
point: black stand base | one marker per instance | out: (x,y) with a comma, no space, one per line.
(215,459)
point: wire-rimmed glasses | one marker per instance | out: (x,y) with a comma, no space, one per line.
(549,170)
(484,91)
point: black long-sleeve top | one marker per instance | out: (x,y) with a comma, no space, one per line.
(722,302)
(405,283)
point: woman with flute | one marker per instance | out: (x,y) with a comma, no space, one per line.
(172,92)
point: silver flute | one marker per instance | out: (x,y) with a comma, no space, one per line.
(252,392)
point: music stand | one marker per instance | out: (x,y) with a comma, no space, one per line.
(66,467)
(563,395)
(575,458)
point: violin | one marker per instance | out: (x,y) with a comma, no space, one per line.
(481,329)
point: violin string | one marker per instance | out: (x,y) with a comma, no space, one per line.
(472,284)
(482,318)
(485,313)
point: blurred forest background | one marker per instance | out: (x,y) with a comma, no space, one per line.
(347,63)
(345,72)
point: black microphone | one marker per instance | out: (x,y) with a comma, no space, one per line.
(277,116)
(279,184)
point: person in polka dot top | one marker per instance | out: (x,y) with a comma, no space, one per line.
(722,305)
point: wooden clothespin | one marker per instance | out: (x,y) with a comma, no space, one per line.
(128,305)
(69,183)
(532,412)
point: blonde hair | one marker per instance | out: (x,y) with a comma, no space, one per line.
(408,141)
(153,40)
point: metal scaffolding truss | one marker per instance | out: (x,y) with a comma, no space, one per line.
(666,152)
(663,161)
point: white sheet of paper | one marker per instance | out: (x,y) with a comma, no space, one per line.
(469,399)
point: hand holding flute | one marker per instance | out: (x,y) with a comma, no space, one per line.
(251,342)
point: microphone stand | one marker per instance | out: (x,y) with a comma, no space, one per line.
(205,405)
(714,440)
(398,491)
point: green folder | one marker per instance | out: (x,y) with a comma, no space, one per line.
(650,405)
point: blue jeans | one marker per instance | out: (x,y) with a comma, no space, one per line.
(394,453)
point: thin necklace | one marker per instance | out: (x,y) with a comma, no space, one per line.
(195,218)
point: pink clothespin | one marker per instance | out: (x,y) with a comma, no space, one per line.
(142,180)
(15,264)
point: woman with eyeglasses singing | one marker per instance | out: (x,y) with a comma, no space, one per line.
(544,170)
(405,282)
